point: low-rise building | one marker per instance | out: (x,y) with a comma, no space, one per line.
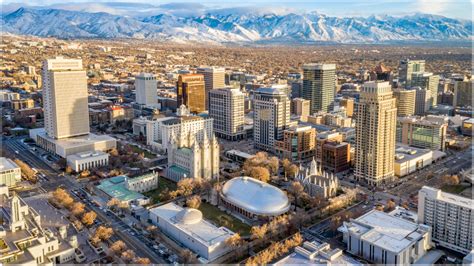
(10,172)
(116,187)
(450,216)
(22,104)
(87,160)
(410,159)
(385,239)
(321,139)
(142,183)
(336,156)
(187,227)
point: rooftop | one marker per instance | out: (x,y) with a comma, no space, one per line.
(447,197)
(404,153)
(86,154)
(255,196)
(7,164)
(72,142)
(115,188)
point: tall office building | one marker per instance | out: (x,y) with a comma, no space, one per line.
(145,89)
(422,100)
(65,101)
(191,92)
(214,77)
(407,68)
(271,117)
(450,217)
(463,92)
(376,115)
(226,106)
(429,82)
(423,132)
(319,85)
(405,101)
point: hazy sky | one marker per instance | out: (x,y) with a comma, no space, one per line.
(449,8)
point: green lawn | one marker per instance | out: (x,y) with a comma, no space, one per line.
(454,189)
(147,154)
(221,218)
(162,184)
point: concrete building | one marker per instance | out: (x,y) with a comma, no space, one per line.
(317,253)
(142,183)
(8,96)
(214,78)
(348,104)
(429,82)
(187,227)
(271,116)
(300,107)
(405,101)
(226,107)
(321,139)
(409,159)
(317,182)
(467,128)
(22,104)
(385,239)
(319,86)
(423,132)
(407,68)
(189,158)
(336,156)
(450,216)
(191,92)
(375,133)
(87,160)
(463,91)
(10,172)
(65,98)
(253,198)
(146,89)
(25,240)
(298,144)
(422,100)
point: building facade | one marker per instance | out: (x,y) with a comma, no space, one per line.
(319,86)
(423,132)
(405,101)
(321,139)
(10,172)
(450,216)
(146,89)
(336,156)
(317,182)
(298,144)
(65,98)
(87,160)
(301,107)
(142,183)
(214,78)
(429,82)
(422,101)
(191,92)
(375,133)
(226,107)
(271,117)
(463,92)
(407,68)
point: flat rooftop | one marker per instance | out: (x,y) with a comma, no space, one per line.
(72,142)
(115,188)
(7,164)
(438,194)
(87,154)
(404,153)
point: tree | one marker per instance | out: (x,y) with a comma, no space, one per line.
(128,256)
(103,233)
(63,198)
(152,229)
(26,171)
(142,261)
(234,241)
(188,256)
(390,205)
(113,203)
(293,170)
(297,190)
(68,169)
(273,164)
(194,202)
(260,173)
(77,208)
(85,173)
(78,225)
(259,232)
(379,208)
(118,247)
(88,218)
(185,186)
(451,180)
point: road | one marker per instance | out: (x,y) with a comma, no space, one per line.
(53,179)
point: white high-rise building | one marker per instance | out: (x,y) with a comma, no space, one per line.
(65,98)
(376,115)
(450,216)
(271,116)
(226,106)
(214,77)
(429,82)
(145,89)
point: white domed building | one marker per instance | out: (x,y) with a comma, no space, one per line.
(253,198)
(187,226)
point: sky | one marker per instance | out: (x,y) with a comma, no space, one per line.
(449,8)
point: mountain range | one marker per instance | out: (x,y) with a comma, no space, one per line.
(237,28)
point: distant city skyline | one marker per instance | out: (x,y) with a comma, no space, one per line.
(341,8)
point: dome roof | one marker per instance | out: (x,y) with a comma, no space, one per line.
(255,196)
(189,216)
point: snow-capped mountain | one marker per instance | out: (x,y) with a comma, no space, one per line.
(227,27)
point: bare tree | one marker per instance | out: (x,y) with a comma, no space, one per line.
(194,202)
(118,247)
(259,232)
(77,208)
(234,241)
(128,256)
(88,218)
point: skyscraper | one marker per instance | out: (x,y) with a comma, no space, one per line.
(376,115)
(65,101)
(319,85)
(422,100)
(226,106)
(145,89)
(407,68)
(429,82)
(405,101)
(463,92)
(270,117)
(191,92)
(214,77)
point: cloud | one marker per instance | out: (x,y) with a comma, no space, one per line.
(432,6)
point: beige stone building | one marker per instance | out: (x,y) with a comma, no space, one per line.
(405,101)
(214,77)
(423,132)
(375,133)
(226,107)
(317,182)
(300,107)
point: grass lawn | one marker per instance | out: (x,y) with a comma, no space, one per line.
(162,184)
(221,218)
(454,189)
(147,154)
